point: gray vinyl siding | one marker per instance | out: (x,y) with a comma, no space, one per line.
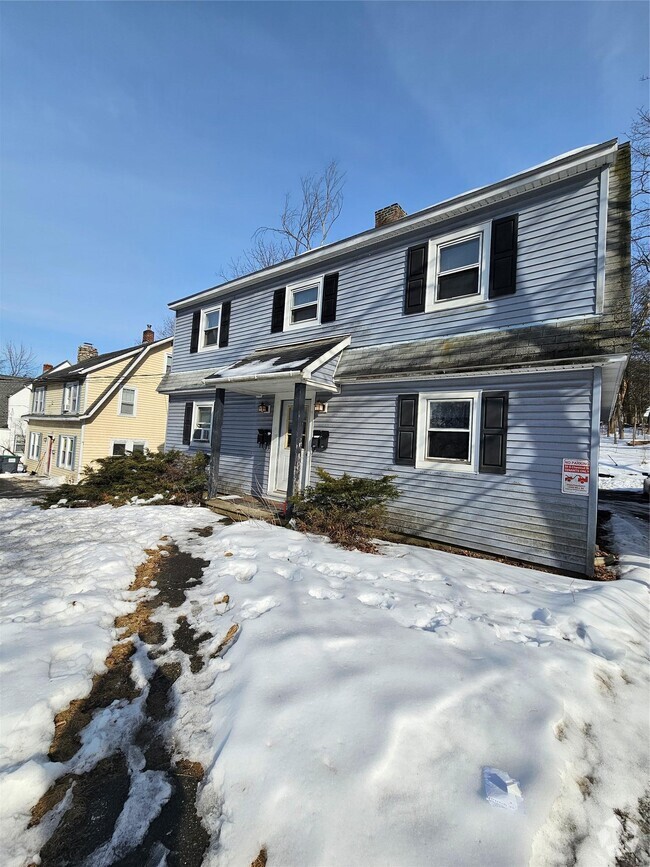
(325,373)
(521,514)
(243,465)
(556,278)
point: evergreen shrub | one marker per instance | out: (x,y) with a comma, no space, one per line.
(170,477)
(346,509)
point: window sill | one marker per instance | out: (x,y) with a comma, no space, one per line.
(433,306)
(444,466)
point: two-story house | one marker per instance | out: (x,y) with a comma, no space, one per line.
(470,349)
(15,401)
(103,405)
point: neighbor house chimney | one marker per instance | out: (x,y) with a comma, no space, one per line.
(388,215)
(86,351)
(147,335)
(47,368)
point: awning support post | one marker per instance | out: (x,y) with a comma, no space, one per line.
(215,441)
(295,449)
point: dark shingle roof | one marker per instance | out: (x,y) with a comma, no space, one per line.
(9,385)
(80,369)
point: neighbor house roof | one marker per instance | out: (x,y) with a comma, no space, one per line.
(81,368)
(9,385)
(564,166)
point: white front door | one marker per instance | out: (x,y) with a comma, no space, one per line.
(281,476)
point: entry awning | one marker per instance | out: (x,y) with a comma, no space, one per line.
(276,368)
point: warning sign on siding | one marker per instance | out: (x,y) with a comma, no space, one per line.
(575,477)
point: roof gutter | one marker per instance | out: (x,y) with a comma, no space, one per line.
(546,173)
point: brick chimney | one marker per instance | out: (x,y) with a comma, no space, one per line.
(388,215)
(147,335)
(47,368)
(86,351)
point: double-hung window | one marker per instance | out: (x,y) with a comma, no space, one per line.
(210,325)
(71,397)
(127,447)
(34,446)
(38,400)
(202,423)
(65,457)
(128,398)
(447,436)
(460,267)
(304,303)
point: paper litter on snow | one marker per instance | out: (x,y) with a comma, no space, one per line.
(501,790)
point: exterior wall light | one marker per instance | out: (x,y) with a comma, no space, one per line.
(263,407)
(320,406)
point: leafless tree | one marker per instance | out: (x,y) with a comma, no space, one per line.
(16,359)
(634,396)
(165,328)
(303,225)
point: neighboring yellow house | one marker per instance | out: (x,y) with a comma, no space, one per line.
(102,405)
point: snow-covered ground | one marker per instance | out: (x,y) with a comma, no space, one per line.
(351,720)
(622,466)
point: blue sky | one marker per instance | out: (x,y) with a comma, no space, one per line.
(143,143)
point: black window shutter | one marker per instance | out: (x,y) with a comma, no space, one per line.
(494,431)
(330,292)
(416,279)
(406,429)
(187,423)
(224,324)
(277,315)
(503,257)
(196,327)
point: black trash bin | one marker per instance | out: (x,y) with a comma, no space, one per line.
(8,464)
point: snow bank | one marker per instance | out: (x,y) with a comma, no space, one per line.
(622,466)
(351,721)
(65,577)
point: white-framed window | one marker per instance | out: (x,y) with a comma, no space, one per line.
(19,444)
(303,303)
(202,423)
(447,431)
(34,446)
(38,399)
(128,447)
(128,401)
(459,268)
(210,326)
(65,454)
(168,362)
(71,397)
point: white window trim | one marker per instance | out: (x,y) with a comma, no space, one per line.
(195,423)
(422,462)
(128,444)
(59,454)
(135,402)
(167,359)
(39,398)
(34,452)
(211,347)
(485,231)
(293,287)
(70,388)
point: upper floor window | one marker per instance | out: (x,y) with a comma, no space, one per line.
(168,362)
(460,267)
(202,423)
(303,303)
(210,325)
(38,399)
(71,397)
(128,399)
